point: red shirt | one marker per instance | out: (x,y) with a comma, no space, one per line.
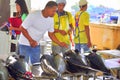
(16,22)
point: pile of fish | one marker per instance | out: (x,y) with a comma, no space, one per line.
(72,62)
(53,65)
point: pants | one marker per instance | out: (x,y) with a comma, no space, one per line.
(84,46)
(31,54)
(59,49)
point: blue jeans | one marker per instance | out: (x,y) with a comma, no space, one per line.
(84,46)
(31,54)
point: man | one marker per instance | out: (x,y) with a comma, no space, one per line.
(62,27)
(82,32)
(33,28)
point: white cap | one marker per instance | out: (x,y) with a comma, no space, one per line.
(61,1)
(82,2)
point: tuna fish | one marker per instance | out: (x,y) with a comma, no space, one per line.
(18,68)
(76,64)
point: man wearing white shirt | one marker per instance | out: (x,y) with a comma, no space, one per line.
(33,28)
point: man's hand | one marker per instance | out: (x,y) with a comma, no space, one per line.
(54,39)
(62,44)
(63,32)
(33,43)
(70,31)
(11,28)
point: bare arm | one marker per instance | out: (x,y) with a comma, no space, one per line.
(87,30)
(71,29)
(14,28)
(54,39)
(71,26)
(32,42)
(64,32)
(60,31)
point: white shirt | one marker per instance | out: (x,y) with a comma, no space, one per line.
(36,25)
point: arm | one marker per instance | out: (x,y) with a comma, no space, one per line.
(25,25)
(32,42)
(64,32)
(13,28)
(54,39)
(71,23)
(87,30)
(57,31)
(71,29)
(70,32)
(60,31)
